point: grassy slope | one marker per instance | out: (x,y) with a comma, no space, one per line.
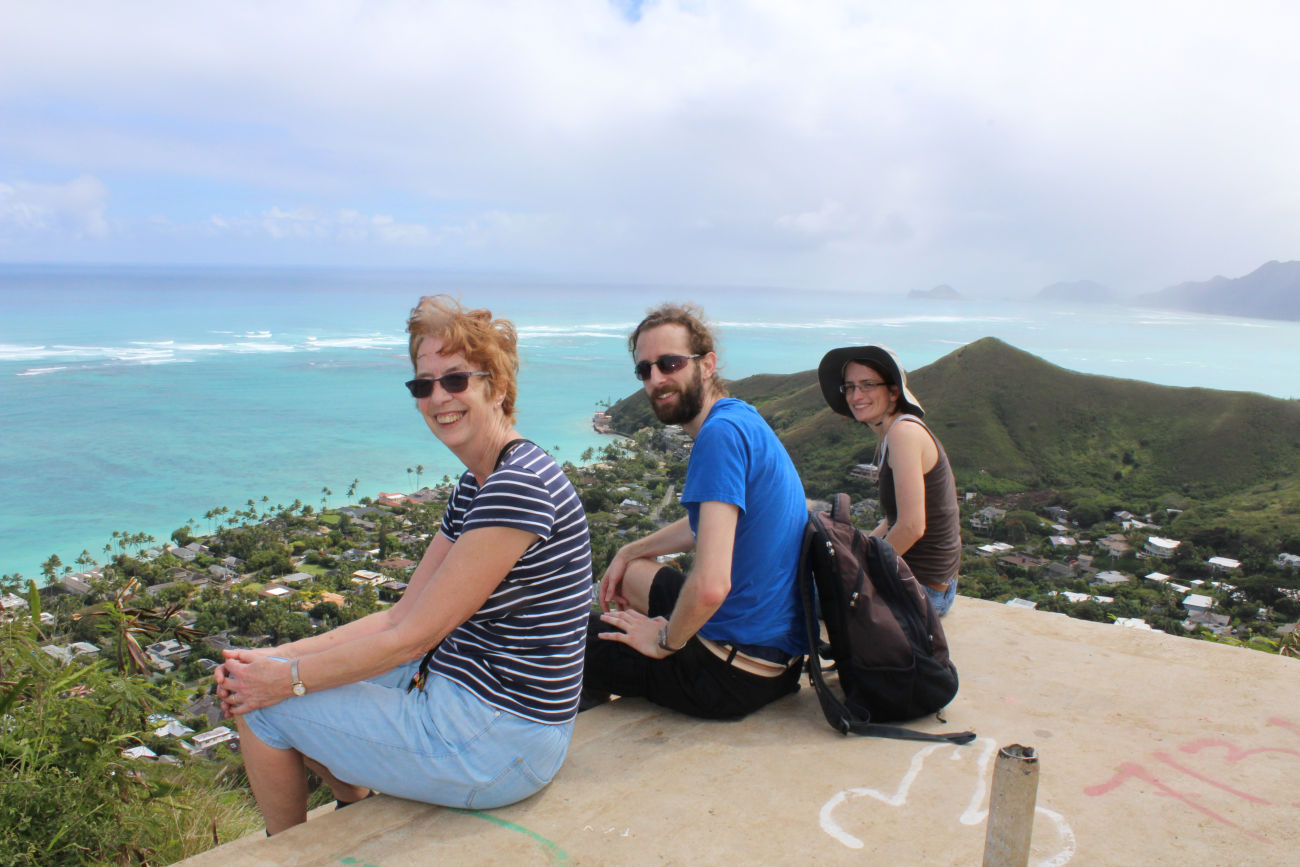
(1006,416)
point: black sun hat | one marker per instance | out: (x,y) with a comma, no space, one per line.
(830,374)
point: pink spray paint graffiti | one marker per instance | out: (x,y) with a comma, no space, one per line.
(1231,754)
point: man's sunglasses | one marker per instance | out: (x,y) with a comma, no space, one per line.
(452,383)
(666,363)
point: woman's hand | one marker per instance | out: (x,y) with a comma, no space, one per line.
(251,679)
(638,631)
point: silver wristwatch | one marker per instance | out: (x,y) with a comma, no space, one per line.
(663,641)
(298,687)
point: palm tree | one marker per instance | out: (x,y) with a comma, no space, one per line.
(130,627)
(419,471)
(352,489)
(325,494)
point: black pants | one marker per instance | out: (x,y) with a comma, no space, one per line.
(692,681)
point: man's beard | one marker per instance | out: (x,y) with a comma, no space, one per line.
(690,400)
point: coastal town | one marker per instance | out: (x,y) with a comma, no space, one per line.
(270,574)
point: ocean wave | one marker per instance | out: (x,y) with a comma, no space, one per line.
(40,371)
(525,335)
(262,347)
(369,341)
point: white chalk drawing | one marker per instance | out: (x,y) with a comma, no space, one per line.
(976,811)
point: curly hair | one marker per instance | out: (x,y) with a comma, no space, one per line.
(699,335)
(487,343)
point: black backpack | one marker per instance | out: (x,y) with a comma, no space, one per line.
(887,643)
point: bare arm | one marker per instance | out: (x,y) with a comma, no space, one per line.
(672,539)
(469,571)
(705,590)
(907,455)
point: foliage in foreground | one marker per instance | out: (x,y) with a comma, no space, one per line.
(69,796)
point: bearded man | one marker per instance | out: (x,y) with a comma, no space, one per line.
(726,639)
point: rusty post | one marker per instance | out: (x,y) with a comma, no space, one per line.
(1011,807)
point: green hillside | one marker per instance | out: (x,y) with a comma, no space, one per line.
(1011,421)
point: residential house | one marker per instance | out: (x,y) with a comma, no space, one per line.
(1223,564)
(139,753)
(1022,603)
(1132,623)
(397,563)
(427,495)
(1110,578)
(994,548)
(392,500)
(1216,623)
(65,655)
(1057,513)
(1023,561)
(1158,546)
(169,650)
(1062,541)
(275,591)
(1157,577)
(366,576)
(75,584)
(209,739)
(1059,571)
(184,554)
(172,729)
(1195,602)
(1288,561)
(296,578)
(1074,597)
(1115,545)
(985,518)
(870,472)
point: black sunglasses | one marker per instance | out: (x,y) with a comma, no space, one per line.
(452,383)
(666,363)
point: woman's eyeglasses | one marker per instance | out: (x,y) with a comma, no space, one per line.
(666,363)
(452,383)
(865,385)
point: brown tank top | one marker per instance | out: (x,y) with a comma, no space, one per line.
(935,558)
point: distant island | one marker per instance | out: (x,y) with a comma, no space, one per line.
(1271,291)
(942,292)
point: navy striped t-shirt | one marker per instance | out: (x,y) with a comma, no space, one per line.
(522,650)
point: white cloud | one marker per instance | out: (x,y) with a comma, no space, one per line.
(75,209)
(992,147)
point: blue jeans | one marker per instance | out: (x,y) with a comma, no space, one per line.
(442,745)
(942,599)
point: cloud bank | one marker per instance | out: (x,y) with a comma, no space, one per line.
(845,145)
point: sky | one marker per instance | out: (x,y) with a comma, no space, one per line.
(821,144)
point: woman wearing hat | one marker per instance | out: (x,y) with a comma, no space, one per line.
(917,491)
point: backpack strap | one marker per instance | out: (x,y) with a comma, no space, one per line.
(837,713)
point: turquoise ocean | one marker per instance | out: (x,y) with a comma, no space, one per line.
(137,399)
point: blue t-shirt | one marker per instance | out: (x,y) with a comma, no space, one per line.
(523,650)
(737,459)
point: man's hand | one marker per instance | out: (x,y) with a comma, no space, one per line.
(611,583)
(639,632)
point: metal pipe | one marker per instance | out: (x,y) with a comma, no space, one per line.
(1011,807)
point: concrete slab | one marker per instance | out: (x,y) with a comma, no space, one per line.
(1154,749)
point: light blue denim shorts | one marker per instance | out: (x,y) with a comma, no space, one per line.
(440,745)
(942,599)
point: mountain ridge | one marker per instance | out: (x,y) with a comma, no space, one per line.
(1271,291)
(1010,420)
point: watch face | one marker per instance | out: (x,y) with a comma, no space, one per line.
(299,689)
